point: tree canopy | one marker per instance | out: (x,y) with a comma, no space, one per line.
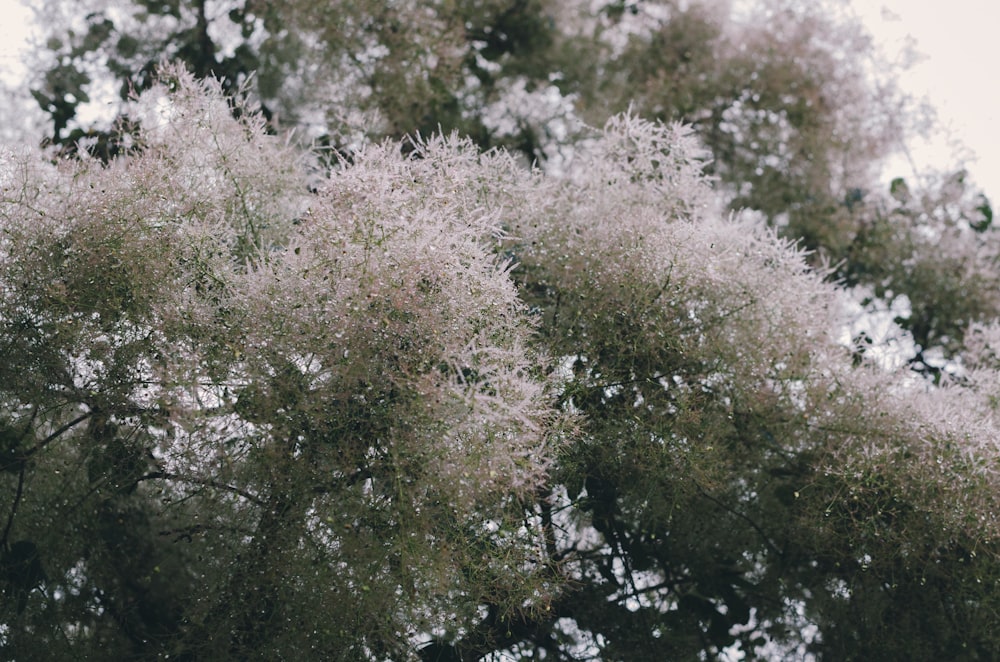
(396,395)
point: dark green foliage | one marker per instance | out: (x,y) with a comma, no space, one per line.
(21,572)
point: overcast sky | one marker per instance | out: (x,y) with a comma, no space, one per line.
(959,74)
(12,18)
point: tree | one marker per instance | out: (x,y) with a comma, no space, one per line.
(793,102)
(245,421)
(734,474)
(428,404)
(782,97)
(340,72)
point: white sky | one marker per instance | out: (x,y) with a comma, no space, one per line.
(959,74)
(13,16)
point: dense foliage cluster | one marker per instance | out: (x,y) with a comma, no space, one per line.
(406,398)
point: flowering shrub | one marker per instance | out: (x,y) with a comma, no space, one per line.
(434,406)
(342,382)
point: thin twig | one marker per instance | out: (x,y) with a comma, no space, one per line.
(208,482)
(743,517)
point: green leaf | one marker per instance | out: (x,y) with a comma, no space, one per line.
(985,218)
(899,190)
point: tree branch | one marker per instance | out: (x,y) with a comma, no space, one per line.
(207,482)
(58,433)
(13,508)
